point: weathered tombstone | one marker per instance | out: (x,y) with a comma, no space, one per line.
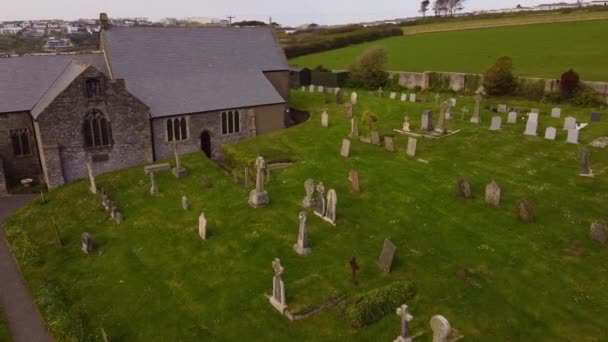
(512,117)
(476,118)
(596,117)
(496,123)
(87,243)
(339,96)
(452,102)
(493,194)
(380,92)
(375,138)
(185,203)
(353,177)
(278,287)
(311,88)
(569,123)
(345,151)
(556,112)
(427,121)
(389,144)
(572,136)
(153,187)
(332,202)
(442,117)
(258,196)
(301,247)
(403,97)
(324,119)
(349,110)
(303,88)
(320,89)
(502,108)
(178,171)
(393,95)
(320,201)
(585,167)
(411,146)
(354,128)
(406,318)
(309,186)
(118,217)
(525,212)
(93,185)
(441,328)
(599,232)
(406,124)
(328,97)
(353,98)
(533,116)
(550,133)
(385,261)
(412,97)
(531,127)
(464,189)
(202,226)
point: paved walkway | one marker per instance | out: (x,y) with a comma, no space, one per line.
(24,321)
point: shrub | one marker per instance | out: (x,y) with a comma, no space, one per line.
(368,70)
(569,83)
(499,79)
(586,97)
(393,83)
(368,123)
(471,83)
(372,306)
(529,89)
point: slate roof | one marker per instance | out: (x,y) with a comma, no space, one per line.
(25,80)
(189,70)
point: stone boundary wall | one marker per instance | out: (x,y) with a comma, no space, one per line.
(421,79)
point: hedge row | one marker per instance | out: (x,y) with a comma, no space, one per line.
(372,306)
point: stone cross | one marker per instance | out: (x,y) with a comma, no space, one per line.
(585,168)
(441,125)
(185,203)
(301,247)
(178,171)
(309,186)
(258,196)
(93,185)
(153,187)
(330,212)
(202,226)
(278,287)
(476,118)
(406,318)
(441,328)
(87,243)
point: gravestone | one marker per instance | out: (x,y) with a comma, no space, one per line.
(353,177)
(202,226)
(349,110)
(340,97)
(502,108)
(452,102)
(531,127)
(92,184)
(525,211)
(303,88)
(464,111)
(427,121)
(320,89)
(442,117)
(585,167)
(569,123)
(599,232)
(493,194)
(496,123)
(353,98)
(380,92)
(512,117)
(572,136)
(301,247)
(596,117)
(441,328)
(403,97)
(550,133)
(332,202)
(345,151)
(354,128)
(533,116)
(411,146)
(258,197)
(406,124)
(412,97)
(464,189)
(389,144)
(278,287)
(375,138)
(87,243)
(328,97)
(311,88)
(118,217)
(556,112)
(476,118)
(393,95)
(153,187)
(309,186)
(178,171)
(320,207)
(325,119)
(405,319)
(185,203)
(385,261)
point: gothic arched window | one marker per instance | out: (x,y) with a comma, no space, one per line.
(21,141)
(97,130)
(92,87)
(231,122)
(177,129)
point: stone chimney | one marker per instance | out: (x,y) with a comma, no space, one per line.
(104,21)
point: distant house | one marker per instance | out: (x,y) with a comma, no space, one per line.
(55,44)
(596,3)
(4,29)
(150,88)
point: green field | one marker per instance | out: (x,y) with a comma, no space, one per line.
(151,278)
(543,50)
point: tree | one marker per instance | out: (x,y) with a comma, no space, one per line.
(440,6)
(368,69)
(424,7)
(569,83)
(499,79)
(455,6)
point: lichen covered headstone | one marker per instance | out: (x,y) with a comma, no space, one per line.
(525,212)
(464,189)
(599,232)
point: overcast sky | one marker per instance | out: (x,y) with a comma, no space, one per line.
(286,12)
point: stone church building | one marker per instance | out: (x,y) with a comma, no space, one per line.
(124,106)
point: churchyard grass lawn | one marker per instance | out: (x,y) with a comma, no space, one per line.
(152,278)
(545,50)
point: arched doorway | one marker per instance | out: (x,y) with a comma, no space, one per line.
(206,143)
